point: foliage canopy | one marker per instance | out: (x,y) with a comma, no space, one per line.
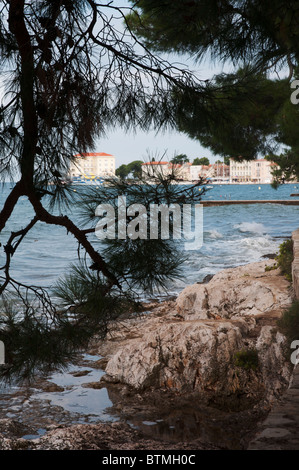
(68,74)
(251,113)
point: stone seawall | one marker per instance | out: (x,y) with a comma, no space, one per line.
(280,430)
(295,265)
(228,202)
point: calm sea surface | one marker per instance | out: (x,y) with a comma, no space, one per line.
(232,235)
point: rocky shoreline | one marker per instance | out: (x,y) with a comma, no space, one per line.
(198,372)
(191,345)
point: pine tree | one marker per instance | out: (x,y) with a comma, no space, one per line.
(249,111)
(69,75)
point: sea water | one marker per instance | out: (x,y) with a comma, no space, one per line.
(232,235)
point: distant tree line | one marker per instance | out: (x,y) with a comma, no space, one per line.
(133,169)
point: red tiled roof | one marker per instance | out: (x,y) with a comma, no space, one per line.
(220,165)
(175,165)
(94,154)
(155,163)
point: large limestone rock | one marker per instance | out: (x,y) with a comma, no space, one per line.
(176,355)
(275,369)
(191,345)
(241,291)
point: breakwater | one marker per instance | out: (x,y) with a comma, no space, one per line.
(228,202)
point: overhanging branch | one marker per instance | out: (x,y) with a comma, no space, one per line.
(44,216)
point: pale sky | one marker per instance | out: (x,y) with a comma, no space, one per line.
(129,147)
(139,145)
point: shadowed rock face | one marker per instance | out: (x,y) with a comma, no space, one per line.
(190,345)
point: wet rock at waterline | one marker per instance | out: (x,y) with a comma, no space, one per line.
(195,344)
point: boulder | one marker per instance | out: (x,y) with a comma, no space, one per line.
(181,356)
(241,291)
(191,346)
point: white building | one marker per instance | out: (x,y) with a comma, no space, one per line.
(195,172)
(218,172)
(89,166)
(252,171)
(151,169)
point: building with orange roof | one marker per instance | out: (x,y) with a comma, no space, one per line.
(92,165)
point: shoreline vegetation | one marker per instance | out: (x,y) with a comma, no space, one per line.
(180,358)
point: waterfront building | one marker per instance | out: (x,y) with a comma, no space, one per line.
(220,172)
(151,169)
(92,166)
(253,171)
(195,172)
(217,172)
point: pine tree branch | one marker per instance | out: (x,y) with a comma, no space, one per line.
(10,249)
(63,221)
(10,203)
(132,59)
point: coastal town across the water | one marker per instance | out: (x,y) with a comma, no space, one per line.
(95,167)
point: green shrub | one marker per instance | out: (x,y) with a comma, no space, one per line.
(285,258)
(288,324)
(271,268)
(246,359)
